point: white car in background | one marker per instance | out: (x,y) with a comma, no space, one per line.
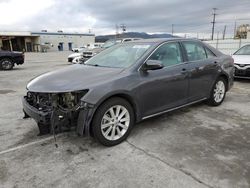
(71,57)
(242,62)
(93,46)
(78,56)
(78,49)
(77,60)
(88,53)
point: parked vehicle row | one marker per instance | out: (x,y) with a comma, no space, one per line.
(88,46)
(89,52)
(127,83)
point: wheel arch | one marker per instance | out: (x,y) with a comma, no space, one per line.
(226,78)
(6,57)
(124,96)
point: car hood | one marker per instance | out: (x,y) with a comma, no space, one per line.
(98,50)
(72,78)
(241,59)
(95,50)
(74,55)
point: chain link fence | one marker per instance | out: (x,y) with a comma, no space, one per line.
(228,46)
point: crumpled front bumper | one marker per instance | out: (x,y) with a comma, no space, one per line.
(38,116)
(84,121)
(44,118)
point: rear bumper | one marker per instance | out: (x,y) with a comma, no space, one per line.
(19,60)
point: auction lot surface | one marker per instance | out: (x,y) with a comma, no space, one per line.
(198,146)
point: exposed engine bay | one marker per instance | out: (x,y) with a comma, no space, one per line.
(59,110)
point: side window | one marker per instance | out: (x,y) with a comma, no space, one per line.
(195,51)
(169,54)
(209,53)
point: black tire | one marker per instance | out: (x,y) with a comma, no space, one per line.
(98,118)
(212,99)
(6,64)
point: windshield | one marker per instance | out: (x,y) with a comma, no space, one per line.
(109,43)
(245,50)
(120,56)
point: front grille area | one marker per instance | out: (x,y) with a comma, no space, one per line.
(242,65)
(242,72)
(87,53)
(41,101)
(70,59)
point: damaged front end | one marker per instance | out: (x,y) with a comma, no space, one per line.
(57,112)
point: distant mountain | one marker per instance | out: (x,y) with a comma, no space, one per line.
(103,38)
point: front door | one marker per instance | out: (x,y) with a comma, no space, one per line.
(167,87)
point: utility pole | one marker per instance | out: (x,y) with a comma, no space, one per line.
(213,22)
(172,29)
(116,31)
(235,29)
(123,27)
(224,32)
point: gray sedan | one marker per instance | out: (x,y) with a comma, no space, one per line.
(128,83)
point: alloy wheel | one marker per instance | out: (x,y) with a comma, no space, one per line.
(219,91)
(115,122)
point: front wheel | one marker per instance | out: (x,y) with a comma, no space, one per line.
(218,92)
(113,121)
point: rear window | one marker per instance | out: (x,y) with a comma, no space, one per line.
(210,54)
(195,51)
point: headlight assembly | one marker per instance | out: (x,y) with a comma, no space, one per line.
(70,100)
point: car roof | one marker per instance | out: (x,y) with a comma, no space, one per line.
(158,41)
(161,40)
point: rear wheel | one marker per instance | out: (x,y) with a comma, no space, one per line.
(6,64)
(218,92)
(113,121)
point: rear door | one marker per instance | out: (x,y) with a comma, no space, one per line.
(203,69)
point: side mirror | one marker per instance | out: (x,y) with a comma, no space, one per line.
(152,65)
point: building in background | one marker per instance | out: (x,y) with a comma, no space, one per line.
(248,35)
(43,41)
(242,31)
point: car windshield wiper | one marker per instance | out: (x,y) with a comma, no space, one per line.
(95,65)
